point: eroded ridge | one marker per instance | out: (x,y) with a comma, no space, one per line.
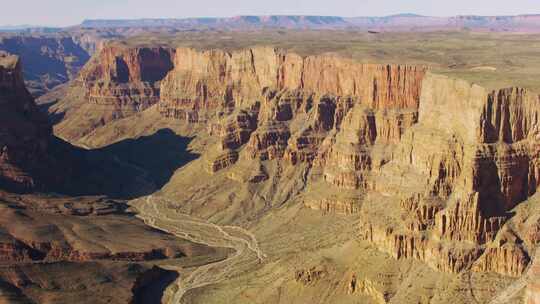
(432,167)
(530,280)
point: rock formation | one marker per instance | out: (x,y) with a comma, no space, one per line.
(49,60)
(533,289)
(486,162)
(431,166)
(125,77)
(24,131)
(78,245)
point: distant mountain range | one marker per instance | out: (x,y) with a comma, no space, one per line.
(28,28)
(401,22)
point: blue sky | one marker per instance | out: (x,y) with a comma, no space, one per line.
(70,12)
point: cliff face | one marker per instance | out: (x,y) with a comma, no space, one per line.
(431,166)
(48,60)
(24,131)
(198,86)
(459,176)
(216,80)
(532,295)
(125,78)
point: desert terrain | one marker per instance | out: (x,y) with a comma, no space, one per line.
(271,165)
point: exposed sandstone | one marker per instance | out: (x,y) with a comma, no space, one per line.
(432,166)
(269,141)
(532,295)
(222,161)
(508,259)
(330,206)
(475,166)
(206,81)
(442,257)
(126,78)
(354,285)
(311,275)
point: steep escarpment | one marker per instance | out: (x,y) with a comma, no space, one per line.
(116,83)
(25,131)
(456,177)
(426,183)
(61,249)
(199,86)
(434,171)
(217,80)
(126,80)
(49,60)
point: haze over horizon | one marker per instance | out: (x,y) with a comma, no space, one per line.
(53,12)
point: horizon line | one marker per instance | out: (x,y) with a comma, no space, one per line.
(30,26)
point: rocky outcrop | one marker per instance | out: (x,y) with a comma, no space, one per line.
(36,228)
(532,294)
(125,79)
(310,276)
(198,87)
(334,206)
(223,160)
(117,82)
(431,166)
(510,260)
(206,81)
(367,287)
(416,245)
(24,131)
(473,168)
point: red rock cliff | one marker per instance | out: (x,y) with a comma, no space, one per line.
(216,80)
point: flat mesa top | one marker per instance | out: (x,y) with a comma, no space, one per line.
(8,61)
(492,60)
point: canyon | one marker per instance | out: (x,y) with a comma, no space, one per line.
(265,174)
(58,246)
(429,168)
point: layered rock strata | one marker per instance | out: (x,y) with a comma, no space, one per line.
(24,131)
(432,166)
(49,60)
(471,168)
(210,81)
(125,79)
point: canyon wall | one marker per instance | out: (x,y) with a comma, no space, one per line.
(432,166)
(24,131)
(532,295)
(117,82)
(127,79)
(49,60)
(471,158)
(215,80)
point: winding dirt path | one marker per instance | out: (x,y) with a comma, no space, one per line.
(154,212)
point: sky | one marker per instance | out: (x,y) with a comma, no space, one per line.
(71,12)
